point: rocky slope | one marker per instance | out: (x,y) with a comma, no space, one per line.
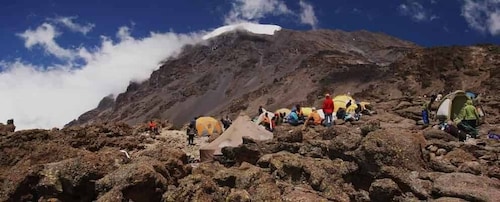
(384,157)
(239,71)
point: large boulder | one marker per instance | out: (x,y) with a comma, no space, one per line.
(390,147)
(324,176)
(294,135)
(384,190)
(467,186)
(145,180)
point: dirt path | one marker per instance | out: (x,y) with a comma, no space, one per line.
(178,139)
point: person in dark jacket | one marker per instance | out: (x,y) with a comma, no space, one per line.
(328,107)
(191,131)
(261,110)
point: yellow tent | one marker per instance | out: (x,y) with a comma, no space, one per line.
(208,126)
(340,101)
(306,111)
(283,110)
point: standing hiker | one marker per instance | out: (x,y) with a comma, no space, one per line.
(328,107)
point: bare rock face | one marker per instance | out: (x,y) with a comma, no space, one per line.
(467,186)
(384,147)
(384,190)
(9,128)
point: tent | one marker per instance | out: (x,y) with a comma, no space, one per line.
(233,136)
(340,101)
(308,110)
(207,126)
(261,117)
(471,95)
(451,105)
(283,110)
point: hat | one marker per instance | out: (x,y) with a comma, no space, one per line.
(314,108)
(327,95)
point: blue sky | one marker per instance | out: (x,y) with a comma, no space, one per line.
(58,58)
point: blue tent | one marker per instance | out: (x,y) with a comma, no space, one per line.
(471,95)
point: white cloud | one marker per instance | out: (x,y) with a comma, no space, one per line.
(254,10)
(45,36)
(482,15)
(416,11)
(124,33)
(68,22)
(51,96)
(307,15)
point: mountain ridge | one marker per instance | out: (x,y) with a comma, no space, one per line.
(238,71)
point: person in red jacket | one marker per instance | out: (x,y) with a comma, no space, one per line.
(328,107)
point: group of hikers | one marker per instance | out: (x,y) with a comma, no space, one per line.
(465,124)
(296,117)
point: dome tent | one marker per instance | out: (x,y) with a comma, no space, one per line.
(233,136)
(451,105)
(340,101)
(208,126)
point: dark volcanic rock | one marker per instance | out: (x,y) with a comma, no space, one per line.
(384,190)
(467,186)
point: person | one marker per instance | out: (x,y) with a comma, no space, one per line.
(328,107)
(300,113)
(450,128)
(278,119)
(191,131)
(226,122)
(313,119)
(425,113)
(348,104)
(261,110)
(468,118)
(268,122)
(439,97)
(293,118)
(341,113)
(153,127)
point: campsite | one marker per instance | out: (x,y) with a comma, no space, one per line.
(356,160)
(250,112)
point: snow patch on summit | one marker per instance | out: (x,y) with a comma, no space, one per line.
(250,27)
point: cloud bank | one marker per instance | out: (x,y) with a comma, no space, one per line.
(254,10)
(44,36)
(416,11)
(69,23)
(307,15)
(51,96)
(482,15)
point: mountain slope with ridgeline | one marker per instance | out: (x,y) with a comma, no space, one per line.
(106,155)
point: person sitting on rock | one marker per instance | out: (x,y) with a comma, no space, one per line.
(268,122)
(313,119)
(451,129)
(261,110)
(293,118)
(300,113)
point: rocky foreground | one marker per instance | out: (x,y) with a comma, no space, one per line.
(369,160)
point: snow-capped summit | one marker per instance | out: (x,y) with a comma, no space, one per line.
(250,27)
